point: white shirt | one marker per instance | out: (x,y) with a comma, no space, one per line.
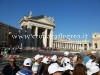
(35,67)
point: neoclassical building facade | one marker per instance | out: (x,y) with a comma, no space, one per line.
(37,31)
(96,41)
(71,45)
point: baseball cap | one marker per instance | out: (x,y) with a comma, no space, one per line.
(54,67)
(66,53)
(54,58)
(66,60)
(45,60)
(27,62)
(38,56)
(69,67)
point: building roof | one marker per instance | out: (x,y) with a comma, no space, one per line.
(42,19)
(6,25)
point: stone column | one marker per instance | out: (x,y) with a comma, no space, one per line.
(65,45)
(75,46)
(62,45)
(78,46)
(50,38)
(45,38)
(82,46)
(56,44)
(71,46)
(23,35)
(36,36)
(87,46)
(59,44)
(29,38)
(68,45)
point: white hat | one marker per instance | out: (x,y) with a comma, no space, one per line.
(66,53)
(54,67)
(27,62)
(38,56)
(92,69)
(45,60)
(69,67)
(54,58)
(66,60)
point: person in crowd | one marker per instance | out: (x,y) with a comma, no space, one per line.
(92,61)
(87,57)
(36,66)
(80,69)
(54,59)
(92,66)
(93,69)
(47,63)
(66,54)
(55,69)
(77,59)
(11,68)
(43,65)
(68,67)
(68,72)
(26,70)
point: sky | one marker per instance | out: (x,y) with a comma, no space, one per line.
(72,17)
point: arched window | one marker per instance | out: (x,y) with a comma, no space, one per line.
(96,45)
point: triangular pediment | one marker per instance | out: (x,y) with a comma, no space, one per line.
(40,19)
(45,21)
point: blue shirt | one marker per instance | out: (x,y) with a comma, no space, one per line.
(24,72)
(86,59)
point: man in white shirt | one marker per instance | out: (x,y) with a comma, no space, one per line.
(35,67)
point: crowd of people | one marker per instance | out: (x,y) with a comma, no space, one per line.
(78,65)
